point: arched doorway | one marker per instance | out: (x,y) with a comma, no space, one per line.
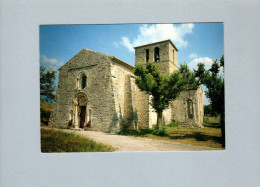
(80,110)
(190,109)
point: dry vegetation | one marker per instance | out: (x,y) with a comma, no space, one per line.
(46,109)
(209,136)
(53,140)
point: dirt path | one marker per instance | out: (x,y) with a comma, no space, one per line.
(129,143)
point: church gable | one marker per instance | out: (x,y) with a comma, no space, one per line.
(95,66)
(85,59)
(87,74)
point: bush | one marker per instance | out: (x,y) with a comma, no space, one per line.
(173,124)
(42,124)
(160,132)
(46,109)
(154,127)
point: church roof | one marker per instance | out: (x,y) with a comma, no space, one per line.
(157,43)
(113,58)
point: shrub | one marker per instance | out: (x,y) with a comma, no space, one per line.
(173,124)
(45,112)
(160,132)
(154,127)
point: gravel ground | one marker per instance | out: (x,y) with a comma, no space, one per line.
(136,144)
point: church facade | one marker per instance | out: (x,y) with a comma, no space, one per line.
(100,90)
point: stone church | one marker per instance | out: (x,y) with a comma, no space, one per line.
(100,89)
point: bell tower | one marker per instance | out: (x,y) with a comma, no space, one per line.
(164,53)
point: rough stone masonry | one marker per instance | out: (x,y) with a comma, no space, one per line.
(100,90)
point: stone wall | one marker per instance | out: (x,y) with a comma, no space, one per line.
(152,115)
(168,55)
(98,92)
(188,108)
(142,106)
(124,95)
(173,64)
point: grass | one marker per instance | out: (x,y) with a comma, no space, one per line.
(211,122)
(42,124)
(53,140)
(64,127)
(209,136)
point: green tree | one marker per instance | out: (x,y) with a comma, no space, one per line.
(208,111)
(214,81)
(47,84)
(163,88)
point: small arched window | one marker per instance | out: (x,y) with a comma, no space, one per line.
(83,82)
(147,55)
(156,54)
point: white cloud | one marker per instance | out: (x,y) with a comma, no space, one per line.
(158,32)
(193,55)
(115,44)
(44,59)
(125,41)
(205,60)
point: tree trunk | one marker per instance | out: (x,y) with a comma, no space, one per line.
(159,120)
(222,122)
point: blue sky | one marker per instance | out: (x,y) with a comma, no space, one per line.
(197,42)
